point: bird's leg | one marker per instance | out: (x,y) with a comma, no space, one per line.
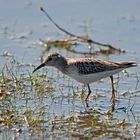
(89,92)
(113,90)
(113,93)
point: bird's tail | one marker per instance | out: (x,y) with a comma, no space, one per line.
(127,64)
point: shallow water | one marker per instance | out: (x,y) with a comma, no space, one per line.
(49,104)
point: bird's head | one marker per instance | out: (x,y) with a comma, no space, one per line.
(54,60)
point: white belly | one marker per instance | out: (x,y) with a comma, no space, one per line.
(89,78)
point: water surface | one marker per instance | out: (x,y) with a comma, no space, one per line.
(49,104)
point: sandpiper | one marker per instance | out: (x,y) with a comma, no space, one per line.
(85,70)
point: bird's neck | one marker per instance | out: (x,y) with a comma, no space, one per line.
(62,65)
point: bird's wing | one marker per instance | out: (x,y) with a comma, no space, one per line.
(89,66)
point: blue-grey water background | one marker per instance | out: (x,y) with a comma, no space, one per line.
(22,24)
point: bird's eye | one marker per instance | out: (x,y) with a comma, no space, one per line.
(49,59)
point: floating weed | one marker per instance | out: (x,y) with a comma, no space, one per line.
(10,118)
(42,84)
(66,43)
(3,92)
(89,125)
(4,80)
(17,97)
(30,119)
(107,51)
(70,45)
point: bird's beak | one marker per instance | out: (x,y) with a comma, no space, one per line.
(40,66)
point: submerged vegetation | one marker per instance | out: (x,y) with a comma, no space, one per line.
(49,105)
(27,107)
